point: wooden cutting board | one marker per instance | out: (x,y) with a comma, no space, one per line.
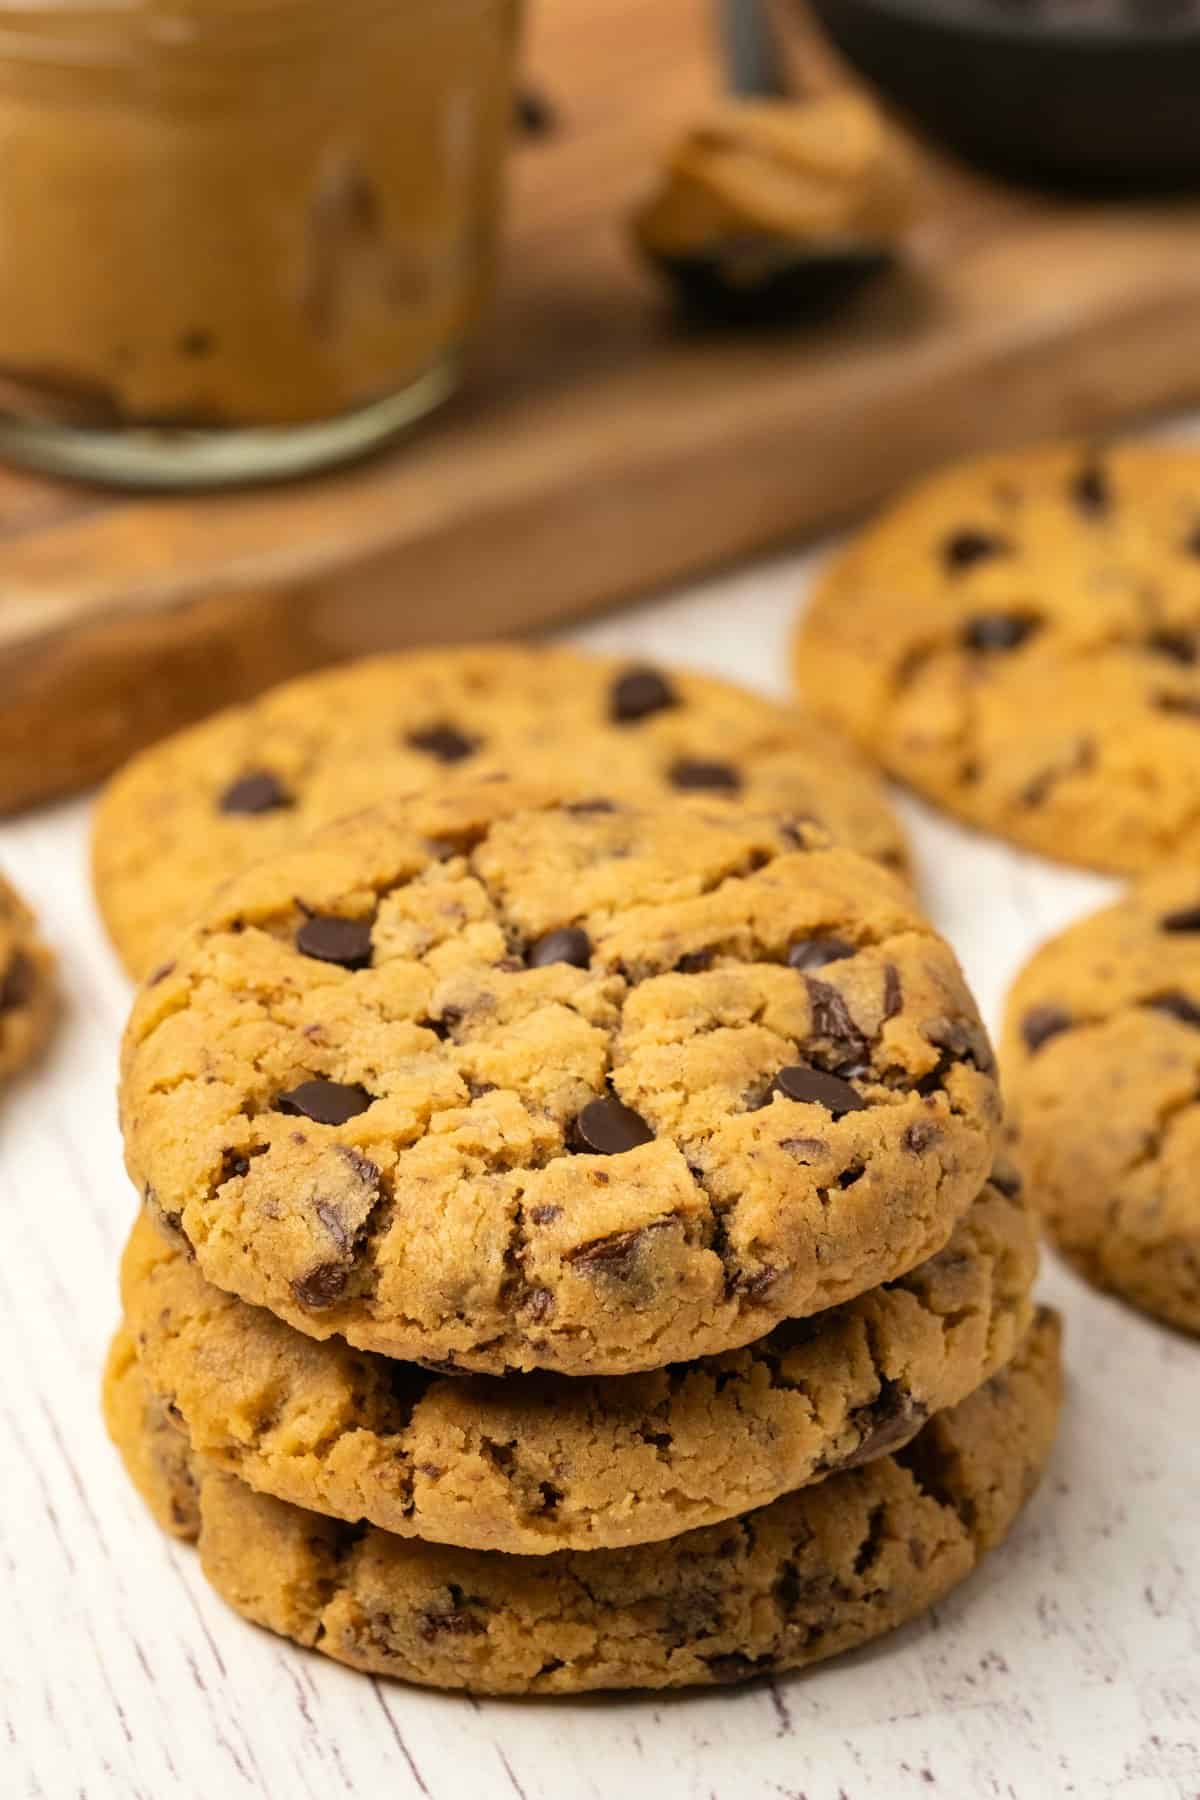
(602,449)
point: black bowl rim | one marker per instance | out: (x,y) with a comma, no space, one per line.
(1018,31)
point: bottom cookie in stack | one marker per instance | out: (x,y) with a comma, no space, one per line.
(812,1574)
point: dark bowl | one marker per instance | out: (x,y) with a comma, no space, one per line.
(1105,101)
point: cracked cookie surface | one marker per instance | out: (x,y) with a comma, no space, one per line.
(1102,1054)
(809,1576)
(27,988)
(255,780)
(532,1464)
(1019,639)
(486,1078)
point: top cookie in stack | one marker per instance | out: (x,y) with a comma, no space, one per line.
(498,1082)
(253,781)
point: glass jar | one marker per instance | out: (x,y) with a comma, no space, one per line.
(241,238)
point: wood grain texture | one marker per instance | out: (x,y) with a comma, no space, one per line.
(601,450)
(1067,1667)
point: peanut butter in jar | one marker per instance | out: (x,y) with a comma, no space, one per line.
(239,238)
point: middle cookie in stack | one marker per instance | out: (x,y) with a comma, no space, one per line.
(490,1082)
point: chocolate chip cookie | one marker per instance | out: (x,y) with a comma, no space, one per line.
(1103,1057)
(532,1463)
(1020,640)
(811,1575)
(27,992)
(255,780)
(492,1079)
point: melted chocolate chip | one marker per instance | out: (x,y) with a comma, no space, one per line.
(1179,646)
(995,632)
(819,1089)
(571,945)
(1176,1005)
(921,1136)
(445,743)
(615,1255)
(1041,1023)
(693,776)
(607,1128)
(970,546)
(326,938)
(1186,919)
(814,953)
(321,1287)
(638,693)
(1090,491)
(256,792)
(325,1102)
(18,984)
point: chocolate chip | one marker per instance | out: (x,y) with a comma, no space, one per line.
(736,1666)
(921,1135)
(993,632)
(321,1287)
(815,952)
(893,995)
(539,1305)
(327,938)
(890,1420)
(1176,1005)
(805,1150)
(544,1215)
(970,546)
(1186,919)
(638,693)
(1006,1178)
(833,1021)
(695,962)
(1041,1023)
(445,743)
(819,1089)
(615,1255)
(1179,646)
(256,792)
(571,945)
(325,1102)
(607,1128)
(160,974)
(16,989)
(693,776)
(1185,706)
(1090,491)
(597,805)
(534,114)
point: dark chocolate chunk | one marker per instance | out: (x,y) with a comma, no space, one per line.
(1179,646)
(533,113)
(893,993)
(615,1255)
(571,944)
(445,743)
(695,776)
(1090,491)
(325,1102)
(1185,706)
(970,546)
(998,631)
(695,962)
(814,953)
(16,988)
(832,1020)
(1176,1005)
(1186,919)
(819,1089)
(256,792)
(327,938)
(638,693)
(607,1128)
(889,1421)
(1041,1023)
(321,1287)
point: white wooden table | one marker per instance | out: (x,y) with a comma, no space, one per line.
(1070,1665)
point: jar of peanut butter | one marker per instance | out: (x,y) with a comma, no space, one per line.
(241,238)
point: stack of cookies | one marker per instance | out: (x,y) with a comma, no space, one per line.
(574,1254)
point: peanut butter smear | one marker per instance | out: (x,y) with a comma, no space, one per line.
(221,213)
